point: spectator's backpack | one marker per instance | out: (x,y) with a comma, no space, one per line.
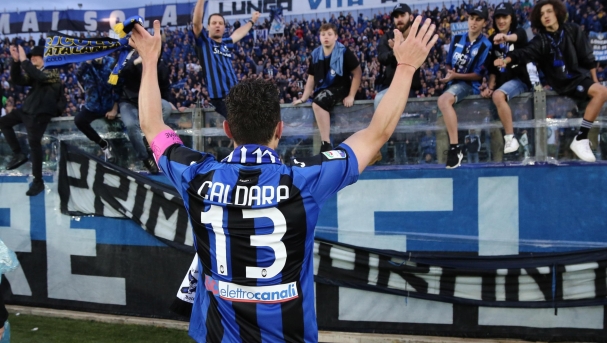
(61,100)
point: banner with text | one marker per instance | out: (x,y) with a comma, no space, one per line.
(598,40)
(177,14)
(89,186)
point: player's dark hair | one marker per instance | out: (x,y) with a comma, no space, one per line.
(253,111)
(559,10)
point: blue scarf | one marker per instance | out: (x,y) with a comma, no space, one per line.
(61,49)
(337,57)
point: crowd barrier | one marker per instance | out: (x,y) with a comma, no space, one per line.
(544,124)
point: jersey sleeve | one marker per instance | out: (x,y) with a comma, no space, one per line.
(175,160)
(229,42)
(329,172)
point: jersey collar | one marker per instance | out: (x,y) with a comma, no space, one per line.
(252,154)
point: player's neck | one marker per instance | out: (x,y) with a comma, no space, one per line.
(218,40)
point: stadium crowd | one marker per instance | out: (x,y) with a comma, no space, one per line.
(285,58)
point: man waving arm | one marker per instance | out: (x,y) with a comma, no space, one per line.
(410,54)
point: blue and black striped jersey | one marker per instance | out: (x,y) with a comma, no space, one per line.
(468,57)
(216,62)
(253,219)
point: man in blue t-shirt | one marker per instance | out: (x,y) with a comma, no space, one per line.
(215,53)
(253,217)
(467,54)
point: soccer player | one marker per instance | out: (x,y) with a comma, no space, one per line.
(563,53)
(467,54)
(254,217)
(214,53)
(101,101)
(329,80)
(506,83)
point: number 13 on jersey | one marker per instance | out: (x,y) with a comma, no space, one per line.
(214,218)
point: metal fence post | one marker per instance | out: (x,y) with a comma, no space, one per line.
(197,120)
(539,115)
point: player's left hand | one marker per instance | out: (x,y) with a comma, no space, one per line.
(255,16)
(147,46)
(349,101)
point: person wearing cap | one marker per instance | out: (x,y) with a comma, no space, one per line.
(38,108)
(402,18)
(506,83)
(329,81)
(563,53)
(466,57)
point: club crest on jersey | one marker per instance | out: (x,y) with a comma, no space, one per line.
(335,155)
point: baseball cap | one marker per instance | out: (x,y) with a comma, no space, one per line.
(503,9)
(480,11)
(38,50)
(400,8)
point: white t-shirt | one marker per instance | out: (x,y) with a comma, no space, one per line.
(3,112)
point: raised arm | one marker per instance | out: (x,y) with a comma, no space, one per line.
(150,106)
(244,29)
(410,54)
(197,20)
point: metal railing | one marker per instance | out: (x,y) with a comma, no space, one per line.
(546,120)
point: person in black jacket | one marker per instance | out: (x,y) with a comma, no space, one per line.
(563,53)
(506,83)
(129,106)
(401,16)
(38,108)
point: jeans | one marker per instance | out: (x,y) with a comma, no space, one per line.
(130,117)
(460,90)
(513,88)
(472,157)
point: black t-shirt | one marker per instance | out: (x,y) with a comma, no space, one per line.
(512,70)
(320,70)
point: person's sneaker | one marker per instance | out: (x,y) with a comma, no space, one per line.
(36,188)
(454,157)
(582,149)
(510,144)
(151,166)
(325,146)
(108,153)
(16,161)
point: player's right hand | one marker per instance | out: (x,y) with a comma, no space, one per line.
(416,47)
